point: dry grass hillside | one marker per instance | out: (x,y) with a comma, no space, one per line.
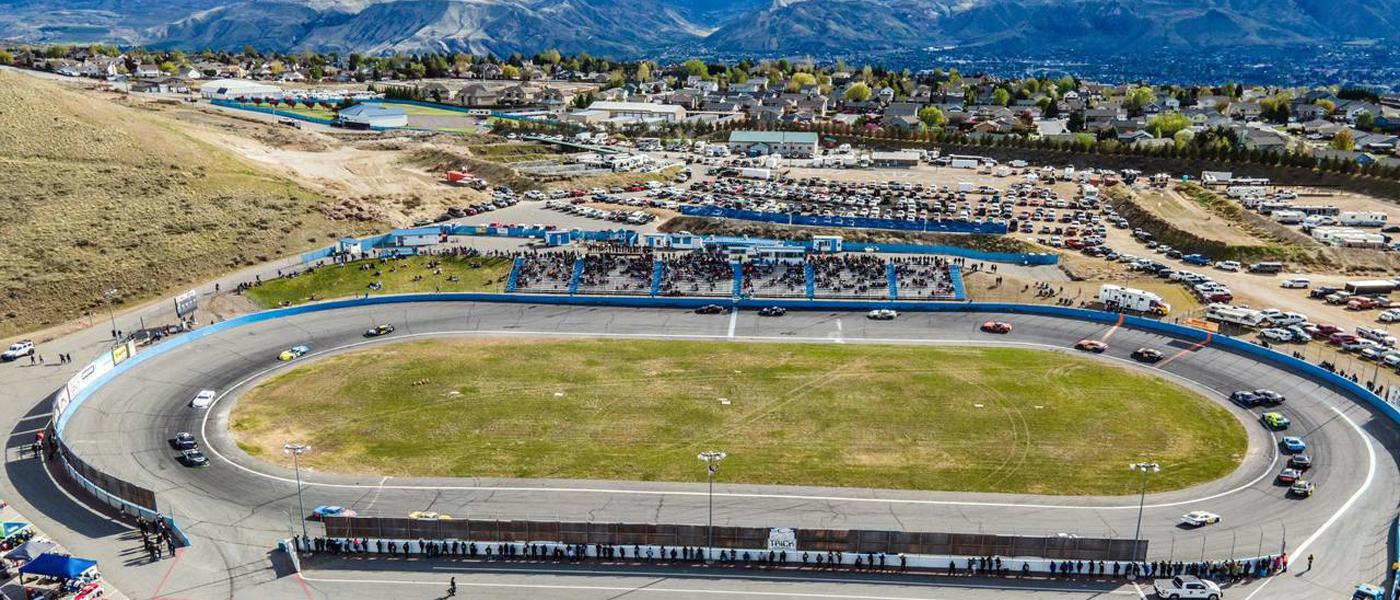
(96,195)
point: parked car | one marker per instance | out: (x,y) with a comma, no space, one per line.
(1228,265)
(1296,283)
(18,350)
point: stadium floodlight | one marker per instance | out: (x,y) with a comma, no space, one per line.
(1146,468)
(296,450)
(711,458)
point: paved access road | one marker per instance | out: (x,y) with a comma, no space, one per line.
(236,508)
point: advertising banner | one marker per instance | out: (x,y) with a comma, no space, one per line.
(186,303)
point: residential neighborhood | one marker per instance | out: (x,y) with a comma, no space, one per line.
(1326,124)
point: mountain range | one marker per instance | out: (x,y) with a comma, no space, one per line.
(629,28)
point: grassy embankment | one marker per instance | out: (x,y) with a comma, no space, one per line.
(100,196)
(396,275)
(913,417)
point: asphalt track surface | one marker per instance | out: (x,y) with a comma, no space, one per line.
(237,508)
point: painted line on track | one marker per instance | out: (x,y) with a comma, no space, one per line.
(204,425)
(1194,347)
(1114,329)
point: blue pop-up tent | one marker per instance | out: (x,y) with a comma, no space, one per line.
(53,565)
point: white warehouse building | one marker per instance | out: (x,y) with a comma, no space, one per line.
(796,144)
(230,89)
(639,111)
(373,116)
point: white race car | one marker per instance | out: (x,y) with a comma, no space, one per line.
(1198,518)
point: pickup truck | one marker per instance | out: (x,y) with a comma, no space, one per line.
(1186,586)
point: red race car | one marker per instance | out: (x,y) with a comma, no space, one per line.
(1094,346)
(996,327)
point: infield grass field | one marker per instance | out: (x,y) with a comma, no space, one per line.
(912,417)
(397,276)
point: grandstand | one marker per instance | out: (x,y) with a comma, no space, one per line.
(775,279)
(627,274)
(843,276)
(923,278)
(697,273)
(546,272)
(630,271)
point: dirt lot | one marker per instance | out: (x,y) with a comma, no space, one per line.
(1171,205)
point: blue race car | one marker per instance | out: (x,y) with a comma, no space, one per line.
(1292,444)
(323,511)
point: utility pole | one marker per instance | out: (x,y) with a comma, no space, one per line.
(108,295)
(296,450)
(711,459)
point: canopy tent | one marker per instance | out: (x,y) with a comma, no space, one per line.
(30,550)
(62,567)
(11,528)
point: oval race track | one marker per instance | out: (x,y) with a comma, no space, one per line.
(235,510)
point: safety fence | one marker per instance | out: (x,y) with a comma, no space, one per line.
(935,226)
(1189,334)
(808,540)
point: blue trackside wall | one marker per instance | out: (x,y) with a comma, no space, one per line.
(1191,334)
(853,222)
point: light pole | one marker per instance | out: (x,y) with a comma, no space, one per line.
(711,459)
(295,450)
(1146,468)
(108,295)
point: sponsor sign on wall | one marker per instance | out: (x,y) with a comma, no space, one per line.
(187,303)
(782,539)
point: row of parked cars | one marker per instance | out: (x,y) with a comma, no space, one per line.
(633,217)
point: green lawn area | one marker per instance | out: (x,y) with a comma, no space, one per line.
(397,276)
(300,109)
(911,417)
(415,110)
